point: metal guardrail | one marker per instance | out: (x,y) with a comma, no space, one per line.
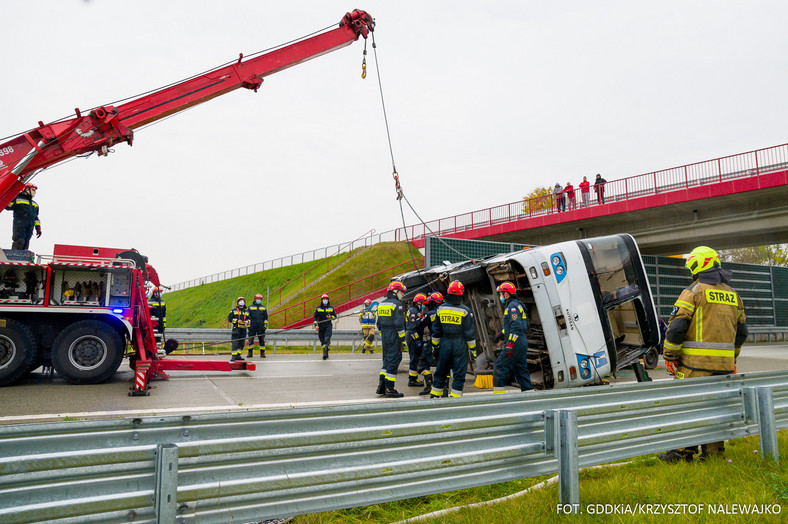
(273,337)
(245,466)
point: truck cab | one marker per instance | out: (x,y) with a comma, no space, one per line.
(589,306)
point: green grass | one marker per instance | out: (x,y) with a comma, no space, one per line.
(740,478)
(207,306)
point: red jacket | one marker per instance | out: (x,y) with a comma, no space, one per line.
(585,187)
(570,191)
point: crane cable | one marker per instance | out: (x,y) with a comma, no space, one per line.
(397,185)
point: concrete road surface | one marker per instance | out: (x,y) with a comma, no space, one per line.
(279,381)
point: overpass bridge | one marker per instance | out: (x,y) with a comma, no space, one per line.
(730,202)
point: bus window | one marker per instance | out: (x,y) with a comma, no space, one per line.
(613,269)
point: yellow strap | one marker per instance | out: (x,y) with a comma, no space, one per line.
(709,352)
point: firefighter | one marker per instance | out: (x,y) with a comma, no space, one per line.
(258,323)
(239,316)
(426,361)
(324,314)
(391,323)
(706,330)
(158,309)
(453,333)
(414,334)
(514,357)
(25,218)
(367,319)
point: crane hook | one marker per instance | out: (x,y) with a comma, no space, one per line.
(364,62)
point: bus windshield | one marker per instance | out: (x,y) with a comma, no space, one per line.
(613,268)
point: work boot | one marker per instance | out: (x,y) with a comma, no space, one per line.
(325,352)
(381,386)
(445,391)
(249,353)
(363,350)
(427,385)
(434,396)
(413,381)
(237,356)
(393,393)
(675,456)
(371,351)
(262,353)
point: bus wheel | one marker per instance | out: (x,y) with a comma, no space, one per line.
(18,350)
(651,358)
(87,352)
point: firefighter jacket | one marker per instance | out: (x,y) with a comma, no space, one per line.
(367,318)
(707,325)
(25,212)
(414,325)
(239,316)
(158,309)
(391,316)
(324,313)
(454,321)
(258,315)
(514,321)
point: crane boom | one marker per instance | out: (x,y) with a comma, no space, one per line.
(105,126)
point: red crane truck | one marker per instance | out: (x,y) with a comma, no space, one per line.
(80,310)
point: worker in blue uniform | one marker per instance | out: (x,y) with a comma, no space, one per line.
(514,357)
(25,218)
(322,319)
(239,318)
(391,323)
(258,324)
(426,361)
(414,331)
(454,334)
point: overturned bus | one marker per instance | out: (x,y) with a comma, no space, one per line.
(589,306)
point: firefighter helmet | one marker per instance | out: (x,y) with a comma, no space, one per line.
(436,297)
(258,296)
(239,299)
(397,286)
(367,303)
(507,287)
(420,298)
(701,259)
(324,295)
(31,186)
(455,288)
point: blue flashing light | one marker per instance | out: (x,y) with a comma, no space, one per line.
(118,311)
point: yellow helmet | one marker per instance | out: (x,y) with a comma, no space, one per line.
(701,259)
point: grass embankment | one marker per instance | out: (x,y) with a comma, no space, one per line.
(207,306)
(742,478)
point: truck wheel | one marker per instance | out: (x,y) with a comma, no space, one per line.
(18,351)
(651,358)
(87,352)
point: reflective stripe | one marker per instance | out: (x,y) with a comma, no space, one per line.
(472,344)
(455,393)
(698,325)
(391,377)
(426,372)
(499,391)
(435,341)
(685,305)
(670,345)
(383,372)
(413,374)
(401,334)
(709,345)
(710,352)
(437,392)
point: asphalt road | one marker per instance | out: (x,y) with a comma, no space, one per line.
(279,381)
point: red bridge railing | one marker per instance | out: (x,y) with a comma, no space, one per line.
(744,165)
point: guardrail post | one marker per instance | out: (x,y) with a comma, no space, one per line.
(166,490)
(766,424)
(568,467)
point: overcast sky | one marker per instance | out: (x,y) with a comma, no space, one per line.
(486,101)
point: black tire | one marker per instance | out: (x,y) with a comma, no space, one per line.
(87,352)
(651,358)
(18,351)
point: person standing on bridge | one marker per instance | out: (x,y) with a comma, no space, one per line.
(239,316)
(25,218)
(391,323)
(323,318)
(454,334)
(570,194)
(599,189)
(258,318)
(706,330)
(560,199)
(585,190)
(367,318)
